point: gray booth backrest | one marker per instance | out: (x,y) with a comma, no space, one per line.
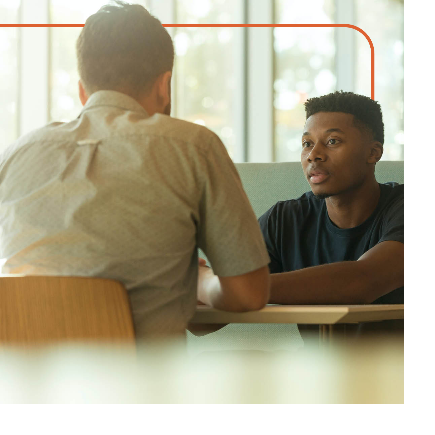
(268,183)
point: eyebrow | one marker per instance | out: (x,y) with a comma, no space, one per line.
(331,130)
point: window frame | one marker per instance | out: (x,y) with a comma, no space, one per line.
(34,66)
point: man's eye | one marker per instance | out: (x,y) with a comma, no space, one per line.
(305,144)
(333,141)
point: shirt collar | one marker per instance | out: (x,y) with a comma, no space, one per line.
(114,99)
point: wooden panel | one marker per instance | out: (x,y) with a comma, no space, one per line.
(44,309)
(306,314)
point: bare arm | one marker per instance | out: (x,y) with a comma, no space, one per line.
(376,273)
(247,292)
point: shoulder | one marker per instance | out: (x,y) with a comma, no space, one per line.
(304,204)
(393,188)
(392,195)
(295,209)
(23,142)
(37,135)
(391,211)
(183,131)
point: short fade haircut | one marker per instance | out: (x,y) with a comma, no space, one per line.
(123,48)
(367,112)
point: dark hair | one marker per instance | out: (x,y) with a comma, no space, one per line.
(367,112)
(123,47)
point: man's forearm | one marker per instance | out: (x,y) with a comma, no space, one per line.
(246,292)
(210,293)
(345,282)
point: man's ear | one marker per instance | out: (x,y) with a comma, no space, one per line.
(82,94)
(376,151)
(164,88)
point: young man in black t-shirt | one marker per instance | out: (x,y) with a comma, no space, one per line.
(341,243)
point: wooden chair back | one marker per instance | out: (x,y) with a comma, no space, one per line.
(47,309)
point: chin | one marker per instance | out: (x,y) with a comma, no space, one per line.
(322,195)
(319,194)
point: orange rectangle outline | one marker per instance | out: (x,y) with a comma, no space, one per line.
(350,26)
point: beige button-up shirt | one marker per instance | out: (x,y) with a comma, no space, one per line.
(122,195)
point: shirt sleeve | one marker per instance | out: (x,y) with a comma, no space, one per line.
(269,229)
(228,231)
(393,228)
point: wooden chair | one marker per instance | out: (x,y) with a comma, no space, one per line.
(48,309)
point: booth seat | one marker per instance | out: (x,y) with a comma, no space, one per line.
(265,184)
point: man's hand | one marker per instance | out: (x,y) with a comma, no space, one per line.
(202,264)
(205,276)
(203,272)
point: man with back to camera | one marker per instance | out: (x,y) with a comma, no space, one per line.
(341,243)
(126,192)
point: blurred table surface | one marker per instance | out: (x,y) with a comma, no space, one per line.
(303,314)
(366,372)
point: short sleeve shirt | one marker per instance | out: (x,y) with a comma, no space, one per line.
(122,195)
(300,234)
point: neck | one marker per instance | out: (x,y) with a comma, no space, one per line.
(350,209)
(149,105)
(152,103)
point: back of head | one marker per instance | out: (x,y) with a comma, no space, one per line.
(123,48)
(367,112)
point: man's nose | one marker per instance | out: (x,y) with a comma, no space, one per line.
(316,154)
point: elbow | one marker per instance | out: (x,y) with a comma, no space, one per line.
(244,307)
(257,298)
(362,299)
(253,305)
(367,289)
(369,295)
(248,292)
(360,294)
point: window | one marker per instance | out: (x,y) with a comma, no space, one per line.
(247,85)
(317,62)
(206,59)
(64,100)
(304,67)
(388,42)
(9,49)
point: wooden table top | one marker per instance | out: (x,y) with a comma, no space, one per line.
(303,314)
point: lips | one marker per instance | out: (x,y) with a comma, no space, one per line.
(317,176)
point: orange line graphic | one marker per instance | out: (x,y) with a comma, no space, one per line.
(350,26)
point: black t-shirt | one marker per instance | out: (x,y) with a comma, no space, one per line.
(299,233)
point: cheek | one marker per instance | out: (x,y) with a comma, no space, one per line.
(353,169)
(345,166)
